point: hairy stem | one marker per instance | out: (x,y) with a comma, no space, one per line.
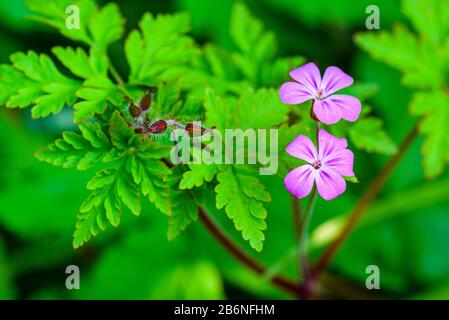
(296,211)
(369,195)
(303,238)
(226,241)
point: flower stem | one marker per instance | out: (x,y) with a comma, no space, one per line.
(226,241)
(368,196)
(296,210)
(303,238)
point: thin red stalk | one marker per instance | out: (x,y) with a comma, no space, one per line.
(226,241)
(369,195)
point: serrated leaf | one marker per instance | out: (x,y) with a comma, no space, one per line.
(183,211)
(241,197)
(75,150)
(97,94)
(97,28)
(197,175)
(430,17)
(433,107)
(129,193)
(161,50)
(106,26)
(11,80)
(120,131)
(88,224)
(367,134)
(80,64)
(418,59)
(45,87)
(255,109)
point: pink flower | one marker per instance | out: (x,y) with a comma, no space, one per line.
(328,107)
(326,168)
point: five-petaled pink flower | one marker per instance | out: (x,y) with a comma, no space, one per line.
(328,107)
(325,167)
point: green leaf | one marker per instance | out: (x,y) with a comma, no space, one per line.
(242,197)
(53,13)
(256,46)
(106,26)
(97,28)
(367,134)
(418,59)
(120,131)
(198,175)
(183,211)
(44,87)
(75,150)
(352,179)
(111,188)
(80,64)
(98,93)
(433,107)
(11,80)
(430,17)
(161,51)
(255,109)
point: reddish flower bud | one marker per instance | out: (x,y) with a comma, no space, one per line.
(145,103)
(156,127)
(134,110)
(194,129)
(313,115)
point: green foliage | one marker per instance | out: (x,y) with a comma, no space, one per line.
(41,84)
(97,27)
(81,151)
(367,134)
(131,166)
(422,58)
(161,50)
(242,197)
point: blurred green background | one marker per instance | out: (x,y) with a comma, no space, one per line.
(407,236)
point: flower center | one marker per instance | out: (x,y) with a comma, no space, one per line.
(316,164)
(320,94)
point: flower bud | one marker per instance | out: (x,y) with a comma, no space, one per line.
(313,115)
(156,127)
(145,103)
(134,110)
(194,129)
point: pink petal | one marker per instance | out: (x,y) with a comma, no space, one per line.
(349,106)
(341,161)
(326,112)
(329,144)
(299,181)
(334,79)
(309,76)
(294,93)
(329,183)
(303,148)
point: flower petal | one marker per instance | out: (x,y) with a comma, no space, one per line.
(299,181)
(349,106)
(309,76)
(303,148)
(329,144)
(326,112)
(329,183)
(294,93)
(341,161)
(334,79)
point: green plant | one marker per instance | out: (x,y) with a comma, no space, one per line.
(232,89)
